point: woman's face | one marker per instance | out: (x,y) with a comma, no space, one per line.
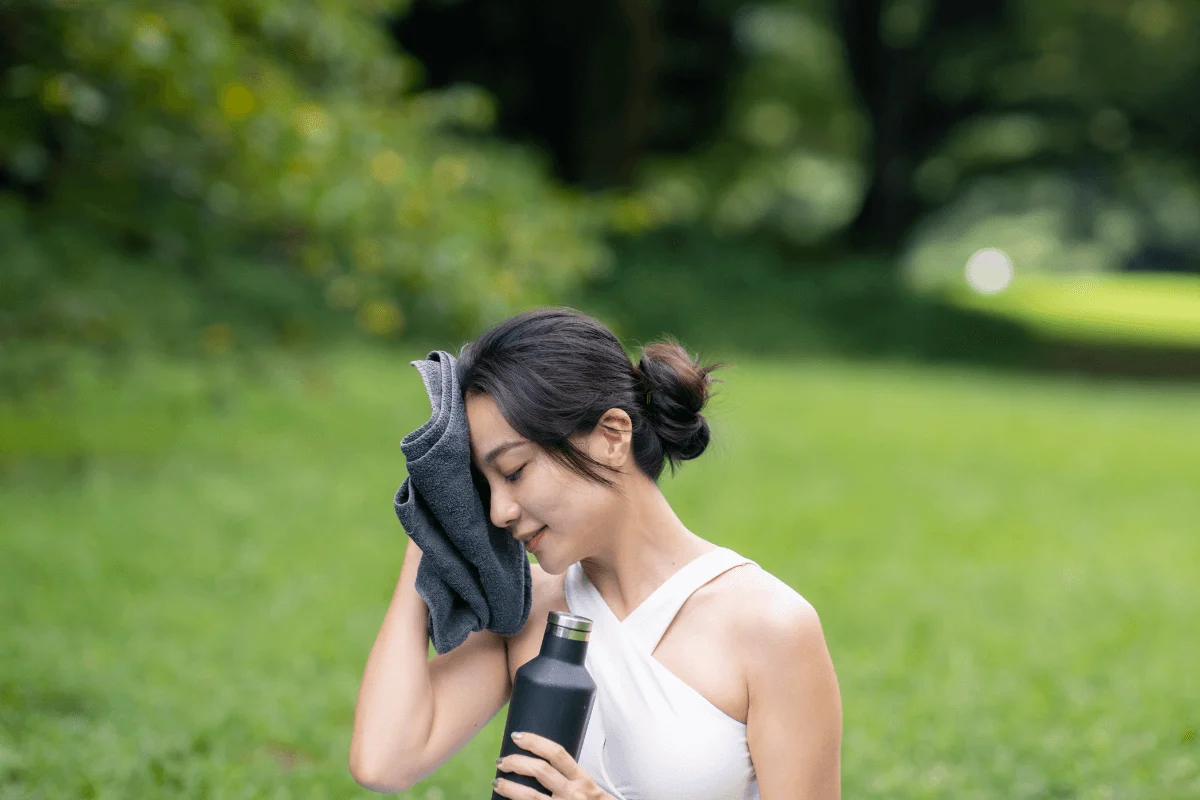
(529,490)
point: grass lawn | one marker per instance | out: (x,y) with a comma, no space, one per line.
(1150,308)
(1007,572)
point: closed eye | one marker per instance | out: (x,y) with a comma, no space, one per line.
(513,477)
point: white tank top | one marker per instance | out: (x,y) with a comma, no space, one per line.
(651,736)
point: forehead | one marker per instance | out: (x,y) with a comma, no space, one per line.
(488,427)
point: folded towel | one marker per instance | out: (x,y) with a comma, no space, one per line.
(472,574)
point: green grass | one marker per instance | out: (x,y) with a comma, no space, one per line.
(1155,309)
(192,573)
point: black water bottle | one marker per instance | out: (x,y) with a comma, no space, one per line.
(552,695)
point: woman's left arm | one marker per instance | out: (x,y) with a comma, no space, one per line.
(794,723)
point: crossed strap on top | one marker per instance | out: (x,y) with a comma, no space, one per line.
(645,625)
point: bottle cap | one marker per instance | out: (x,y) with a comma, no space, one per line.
(568,626)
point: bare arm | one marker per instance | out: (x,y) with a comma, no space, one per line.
(794,728)
(413,714)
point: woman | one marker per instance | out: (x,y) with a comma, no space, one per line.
(713,677)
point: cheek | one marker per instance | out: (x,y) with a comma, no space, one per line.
(567,503)
(557,506)
(579,513)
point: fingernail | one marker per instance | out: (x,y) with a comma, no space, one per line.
(498,760)
(495,783)
(516,734)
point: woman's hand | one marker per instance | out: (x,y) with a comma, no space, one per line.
(562,775)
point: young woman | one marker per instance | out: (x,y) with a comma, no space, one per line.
(713,678)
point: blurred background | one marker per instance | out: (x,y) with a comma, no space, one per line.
(951,251)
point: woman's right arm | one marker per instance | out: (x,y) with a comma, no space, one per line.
(413,714)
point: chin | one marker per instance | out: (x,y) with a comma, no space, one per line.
(547,567)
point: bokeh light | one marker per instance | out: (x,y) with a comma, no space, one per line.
(989,270)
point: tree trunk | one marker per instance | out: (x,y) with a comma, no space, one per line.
(908,122)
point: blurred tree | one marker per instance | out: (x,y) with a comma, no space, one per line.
(598,85)
(1081,156)
(856,119)
(894,48)
(170,166)
(241,151)
(727,112)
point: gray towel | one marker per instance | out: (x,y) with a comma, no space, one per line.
(472,574)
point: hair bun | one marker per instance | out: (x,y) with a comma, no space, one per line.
(678,388)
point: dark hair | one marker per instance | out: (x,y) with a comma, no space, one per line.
(554,371)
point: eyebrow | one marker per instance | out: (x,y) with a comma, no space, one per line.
(500,448)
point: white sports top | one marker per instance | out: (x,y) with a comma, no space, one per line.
(651,736)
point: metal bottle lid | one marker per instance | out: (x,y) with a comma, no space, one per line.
(568,626)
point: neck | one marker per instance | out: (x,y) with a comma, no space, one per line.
(648,546)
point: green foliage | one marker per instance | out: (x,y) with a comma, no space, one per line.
(257,138)
(1075,86)
(193,569)
(789,156)
(1080,156)
(195,175)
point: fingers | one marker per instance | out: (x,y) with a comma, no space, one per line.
(516,791)
(545,774)
(553,752)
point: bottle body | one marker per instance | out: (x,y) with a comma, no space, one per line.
(553,695)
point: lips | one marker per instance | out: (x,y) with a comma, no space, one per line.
(532,543)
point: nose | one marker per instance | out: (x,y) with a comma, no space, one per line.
(504,511)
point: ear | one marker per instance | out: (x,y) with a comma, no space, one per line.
(612,438)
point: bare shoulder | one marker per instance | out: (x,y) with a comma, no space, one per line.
(758,591)
(767,608)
